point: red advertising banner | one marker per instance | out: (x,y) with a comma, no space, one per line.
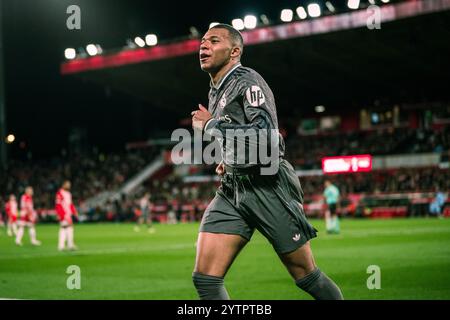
(347,164)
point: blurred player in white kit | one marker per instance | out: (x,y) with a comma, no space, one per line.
(28,218)
(65,209)
(12,213)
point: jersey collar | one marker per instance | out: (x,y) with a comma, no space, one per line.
(217,87)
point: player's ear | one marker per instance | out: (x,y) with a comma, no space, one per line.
(235,52)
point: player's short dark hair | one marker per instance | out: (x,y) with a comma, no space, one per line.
(235,35)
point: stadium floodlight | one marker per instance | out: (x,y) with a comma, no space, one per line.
(238,24)
(10,138)
(385,1)
(92,49)
(286,15)
(330,6)
(372,1)
(212,24)
(319,109)
(151,39)
(250,22)
(314,10)
(301,12)
(70,53)
(353,4)
(139,41)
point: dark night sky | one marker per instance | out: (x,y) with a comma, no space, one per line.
(42,105)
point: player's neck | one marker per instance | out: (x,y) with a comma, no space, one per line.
(218,76)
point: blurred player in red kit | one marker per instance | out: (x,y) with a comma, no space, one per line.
(12,212)
(28,218)
(65,209)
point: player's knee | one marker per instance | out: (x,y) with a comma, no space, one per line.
(319,286)
(209,287)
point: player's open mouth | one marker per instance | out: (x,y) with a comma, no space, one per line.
(204,57)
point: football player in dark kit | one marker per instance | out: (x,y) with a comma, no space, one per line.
(240,99)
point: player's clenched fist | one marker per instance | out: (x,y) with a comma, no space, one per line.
(200,117)
(220,170)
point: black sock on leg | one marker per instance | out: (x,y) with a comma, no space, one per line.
(209,287)
(319,286)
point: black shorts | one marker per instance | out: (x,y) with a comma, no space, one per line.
(271,204)
(332,207)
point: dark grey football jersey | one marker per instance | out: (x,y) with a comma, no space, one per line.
(243,104)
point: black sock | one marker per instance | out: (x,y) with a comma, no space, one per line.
(319,286)
(209,287)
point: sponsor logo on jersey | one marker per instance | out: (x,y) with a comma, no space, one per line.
(255,96)
(296,237)
(225,118)
(223,101)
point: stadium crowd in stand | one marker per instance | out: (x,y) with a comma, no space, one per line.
(95,173)
(305,151)
(90,174)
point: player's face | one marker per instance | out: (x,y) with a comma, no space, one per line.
(67,185)
(12,198)
(29,191)
(215,50)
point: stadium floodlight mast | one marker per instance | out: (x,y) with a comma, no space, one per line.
(151,39)
(250,22)
(286,15)
(139,42)
(70,53)
(301,12)
(314,10)
(353,4)
(238,24)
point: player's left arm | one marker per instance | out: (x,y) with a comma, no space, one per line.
(73,210)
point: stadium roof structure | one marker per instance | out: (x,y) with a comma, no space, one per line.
(334,60)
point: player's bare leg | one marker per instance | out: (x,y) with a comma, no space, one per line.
(139,222)
(150,228)
(62,237)
(215,254)
(302,267)
(70,238)
(12,229)
(328,222)
(19,234)
(32,232)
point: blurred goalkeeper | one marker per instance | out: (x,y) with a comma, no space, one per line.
(241,101)
(65,210)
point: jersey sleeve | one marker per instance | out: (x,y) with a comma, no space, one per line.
(73,210)
(58,204)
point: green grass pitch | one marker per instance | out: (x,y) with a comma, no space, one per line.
(117,263)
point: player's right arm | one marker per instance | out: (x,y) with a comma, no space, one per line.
(58,205)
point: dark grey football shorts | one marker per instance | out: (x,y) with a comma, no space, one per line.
(271,204)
